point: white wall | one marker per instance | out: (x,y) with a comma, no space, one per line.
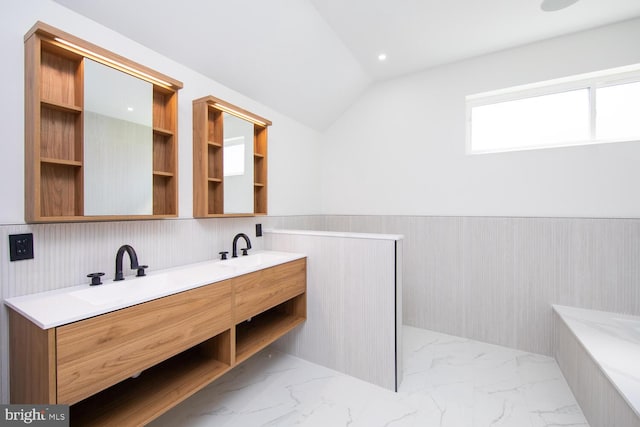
(292,147)
(400,149)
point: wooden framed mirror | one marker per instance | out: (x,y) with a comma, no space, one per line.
(100,133)
(229,160)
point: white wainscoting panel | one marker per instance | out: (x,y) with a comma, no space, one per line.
(495,278)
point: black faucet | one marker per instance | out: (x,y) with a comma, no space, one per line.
(134,262)
(235,245)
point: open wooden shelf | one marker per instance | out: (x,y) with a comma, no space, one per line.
(260,170)
(64,162)
(61,75)
(252,339)
(215,196)
(208,176)
(163,132)
(67,108)
(263,329)
(137,401)
(165,190)
(54,184)
(165,152)
(260,199)
(214,157)
(61,187)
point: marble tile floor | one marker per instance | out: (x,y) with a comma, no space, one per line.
(448,382)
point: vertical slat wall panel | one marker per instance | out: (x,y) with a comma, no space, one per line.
(351,315)
(494,279)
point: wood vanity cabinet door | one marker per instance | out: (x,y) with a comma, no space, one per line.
(259,291)
(96,353)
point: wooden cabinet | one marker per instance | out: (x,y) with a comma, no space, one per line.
(54,121)
(260,170)
(165,152)
(208,190)
(177,344)
(208,148)
(99,352)
(53,130)
(264,289)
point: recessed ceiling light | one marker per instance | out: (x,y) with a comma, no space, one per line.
(553,5)
(382,57)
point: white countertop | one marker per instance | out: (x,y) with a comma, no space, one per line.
(66,305)
(613,342)
(350,235)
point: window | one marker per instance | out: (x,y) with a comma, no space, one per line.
(591,108)
(618,111)
(233,156)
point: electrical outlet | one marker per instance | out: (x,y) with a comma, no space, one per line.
(258,230)
(20,246)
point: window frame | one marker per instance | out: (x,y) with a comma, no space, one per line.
(590,81)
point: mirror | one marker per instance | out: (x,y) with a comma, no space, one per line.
(237,165)
(118,142)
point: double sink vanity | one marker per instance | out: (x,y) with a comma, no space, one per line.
(101,144)
(127,351)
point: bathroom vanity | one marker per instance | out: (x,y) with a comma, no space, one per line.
(126,352)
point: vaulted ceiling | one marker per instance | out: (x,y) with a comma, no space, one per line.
(310,59)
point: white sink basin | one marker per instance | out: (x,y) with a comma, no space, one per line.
(261,259)
(133,288)
(114,292)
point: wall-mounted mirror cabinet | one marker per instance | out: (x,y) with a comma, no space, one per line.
(100,133)
(229,160)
